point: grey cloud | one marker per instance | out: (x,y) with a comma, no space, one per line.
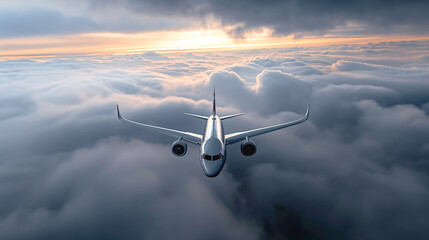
(18,23)
(338,101)
(153,56)
(352,214)
(247,72)
(287,17)
(22,104)
(39,21)
(425,107)
(358,169)
(411,124)
(352,66)
(283,92)
(89,181)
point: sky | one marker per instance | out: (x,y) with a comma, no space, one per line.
(357,169)
(58,27)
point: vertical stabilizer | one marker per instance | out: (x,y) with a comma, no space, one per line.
(214,100)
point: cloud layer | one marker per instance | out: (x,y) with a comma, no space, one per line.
(358,169)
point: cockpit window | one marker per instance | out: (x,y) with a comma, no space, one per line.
(212,158)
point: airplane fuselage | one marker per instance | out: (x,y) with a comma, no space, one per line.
(213,149)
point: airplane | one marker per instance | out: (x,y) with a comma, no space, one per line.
(213,141)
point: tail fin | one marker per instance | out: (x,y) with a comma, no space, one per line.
(214,101)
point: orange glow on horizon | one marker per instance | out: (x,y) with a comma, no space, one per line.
(167,41)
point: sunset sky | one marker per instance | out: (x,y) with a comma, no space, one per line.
(357,169)
(53,28)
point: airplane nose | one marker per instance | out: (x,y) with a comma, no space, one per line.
(212,168)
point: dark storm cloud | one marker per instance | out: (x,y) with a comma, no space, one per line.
(292,16)
(358,169)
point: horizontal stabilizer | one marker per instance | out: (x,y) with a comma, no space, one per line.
(196,116)
(231,116)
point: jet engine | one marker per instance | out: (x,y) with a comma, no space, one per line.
(179,148)
(248,148)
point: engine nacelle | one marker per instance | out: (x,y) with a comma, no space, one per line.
(179,148)
(248,148)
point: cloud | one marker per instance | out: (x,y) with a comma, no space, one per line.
(297,17)
(82,191)
(357,169)
(28,22)
(351,18)
(57,19)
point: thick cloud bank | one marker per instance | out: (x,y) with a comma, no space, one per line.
(358,169)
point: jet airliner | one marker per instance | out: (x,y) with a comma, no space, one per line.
(213,141)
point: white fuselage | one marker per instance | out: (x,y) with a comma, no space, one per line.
(213,150)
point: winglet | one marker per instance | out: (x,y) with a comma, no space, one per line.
(119,113)
(307,113)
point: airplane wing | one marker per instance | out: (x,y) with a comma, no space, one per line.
(240,136)
(187,136)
